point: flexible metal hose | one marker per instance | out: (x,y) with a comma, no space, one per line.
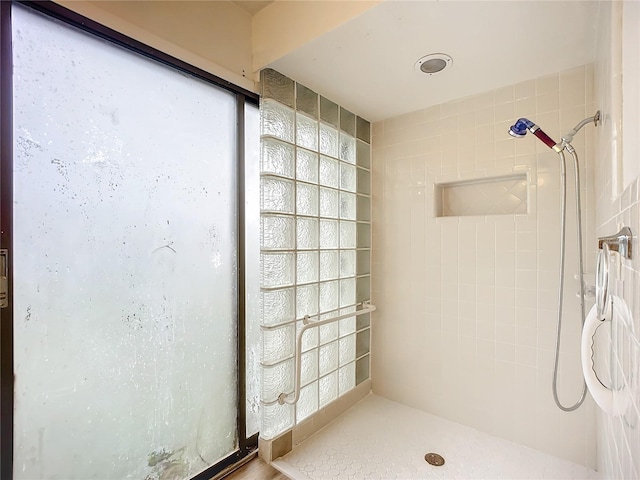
(563,221)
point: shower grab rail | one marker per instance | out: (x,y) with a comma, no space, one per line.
(308,324)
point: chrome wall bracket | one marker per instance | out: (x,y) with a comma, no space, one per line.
(620,242)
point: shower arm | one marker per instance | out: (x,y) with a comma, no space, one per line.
(566,140)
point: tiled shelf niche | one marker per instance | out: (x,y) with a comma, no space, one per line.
(502,195)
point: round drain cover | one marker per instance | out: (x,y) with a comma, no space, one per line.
(434,459)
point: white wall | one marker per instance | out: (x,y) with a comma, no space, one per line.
(466,306)
(617,187)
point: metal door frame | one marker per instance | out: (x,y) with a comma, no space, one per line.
(246,445)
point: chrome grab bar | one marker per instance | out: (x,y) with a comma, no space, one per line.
(308,324)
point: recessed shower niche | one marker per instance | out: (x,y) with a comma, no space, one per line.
(502,195)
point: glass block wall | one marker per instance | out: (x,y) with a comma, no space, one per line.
(315,247)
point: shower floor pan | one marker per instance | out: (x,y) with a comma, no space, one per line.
(379,439)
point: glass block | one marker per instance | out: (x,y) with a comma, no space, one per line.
(364,209)
(277,120)
(278,344)
(347,121)
(329,296)
(309,338)
(362,369)
(364,181)
(364,235)
(347,177)
(277,232)
(308,266)
(329,265)
(329,202)
(328,387)
(277,157)
(347,234)
(347,292)
(347,263)
(309,366)
(328,233)
(347,349)
(308,402)
(348,325)
(307,101)
(329,332)
(307,233)
(328,140)
(306,300)
(276,195)
(277,379)
(306,165)
(329,112)
(347,206)
(276,419)
(278,306)
(347,148)
(363,342)
(364,262)
(363,289)
(328,358)
(363,321)
(306,132)
(363,130)
(277,86)
(307,199)
(329,172)
(347,378)
(278,269)
(363,154)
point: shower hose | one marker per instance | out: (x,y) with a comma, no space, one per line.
(563,221)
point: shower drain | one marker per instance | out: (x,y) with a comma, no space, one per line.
(434,459)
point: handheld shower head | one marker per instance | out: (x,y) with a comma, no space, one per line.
(519,130)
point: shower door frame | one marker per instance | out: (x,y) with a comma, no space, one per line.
(246,445)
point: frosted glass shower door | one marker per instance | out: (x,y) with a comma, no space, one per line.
(125,261)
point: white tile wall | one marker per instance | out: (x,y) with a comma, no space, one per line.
(466,320)
(618,203)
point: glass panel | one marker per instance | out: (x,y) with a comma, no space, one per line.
(277,86)
(277,270)
(277,157)
(329,202)
(306,100)
(278,232)
(308,366)
(328,388)
(347,234)
(125,338)
(347,378)
(277,344)
(252,262)
(308,402)
(278,306)
(347,292)
(348,263)
(328,358)
(307,233)
(277,379)
(307,270)
(363,154)
(329,172)
(328,234)
(329,332)
(347,177)
(347,349)
(347,206)
(364,181)
(277,195)
(364,262)
(276,418)
(328,296)
(277,120)
(307,199)
(329,264)
(307,301)
(328,140)
(347,148)
(306,132)
(306,165)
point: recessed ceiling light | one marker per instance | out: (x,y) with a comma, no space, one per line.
(433,63)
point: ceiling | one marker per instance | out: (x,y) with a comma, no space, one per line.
(252,6)
(367,64)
